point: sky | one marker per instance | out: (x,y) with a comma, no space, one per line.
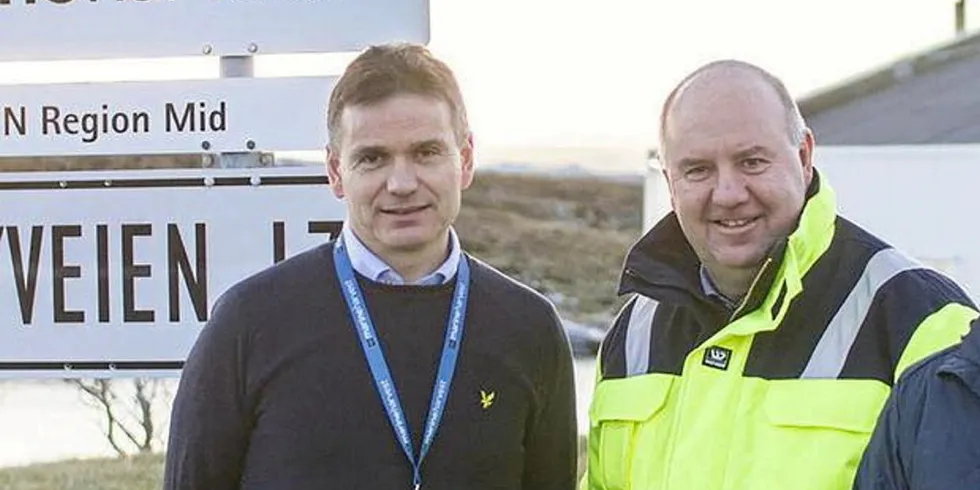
(592,74)
(571,70)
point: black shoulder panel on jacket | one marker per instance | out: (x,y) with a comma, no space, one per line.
(898,309)
(612,354)
(783,353)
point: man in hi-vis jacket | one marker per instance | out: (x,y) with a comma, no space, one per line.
(764,330)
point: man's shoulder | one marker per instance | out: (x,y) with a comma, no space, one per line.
(925,372)
(637,310)
(939,389)
(496,283)
(292,275)
(959,361)
(935,371)
(518,312)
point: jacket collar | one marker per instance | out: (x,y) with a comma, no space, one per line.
(964,363)
(662,265)
(970,348)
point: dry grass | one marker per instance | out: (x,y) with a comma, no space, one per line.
(592,202)
(136,473)
(566,238)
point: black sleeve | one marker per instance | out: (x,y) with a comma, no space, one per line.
(882,466)
(209,423)
(550,461)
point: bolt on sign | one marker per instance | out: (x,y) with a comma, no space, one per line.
(39,30)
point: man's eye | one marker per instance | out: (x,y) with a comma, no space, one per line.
(696,172)
(428,152)
(368,160)
(754,164)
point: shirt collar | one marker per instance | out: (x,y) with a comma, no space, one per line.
(711,290)
(374,268)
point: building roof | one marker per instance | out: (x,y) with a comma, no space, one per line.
(931,97)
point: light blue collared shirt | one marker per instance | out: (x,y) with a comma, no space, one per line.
(711,290)
(374,268)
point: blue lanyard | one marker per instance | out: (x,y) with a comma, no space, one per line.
(379,367)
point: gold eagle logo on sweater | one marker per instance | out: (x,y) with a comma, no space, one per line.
(486,399)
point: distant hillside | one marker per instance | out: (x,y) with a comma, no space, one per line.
(595,159)
(566,237)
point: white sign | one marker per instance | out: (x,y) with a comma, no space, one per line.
(84,29)
(192,116)
(115,273)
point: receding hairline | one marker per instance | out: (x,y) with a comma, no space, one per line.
(795,125)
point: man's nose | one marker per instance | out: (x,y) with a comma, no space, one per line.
(403,178)
(731,189)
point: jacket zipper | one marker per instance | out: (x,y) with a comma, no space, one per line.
(748,294)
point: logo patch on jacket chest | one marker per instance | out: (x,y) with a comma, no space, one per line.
(717,357)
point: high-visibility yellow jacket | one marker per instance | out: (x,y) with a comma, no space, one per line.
(781,392)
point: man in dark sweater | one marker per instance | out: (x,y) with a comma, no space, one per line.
(389,357)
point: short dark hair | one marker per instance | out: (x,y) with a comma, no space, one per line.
(386,70)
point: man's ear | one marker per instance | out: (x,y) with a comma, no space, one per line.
(670,187)
(806,156)
(334,173)
(467,161)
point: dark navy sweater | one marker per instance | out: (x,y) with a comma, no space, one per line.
(277,394)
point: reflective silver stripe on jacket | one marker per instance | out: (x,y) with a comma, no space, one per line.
(638,335)
(831,352)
